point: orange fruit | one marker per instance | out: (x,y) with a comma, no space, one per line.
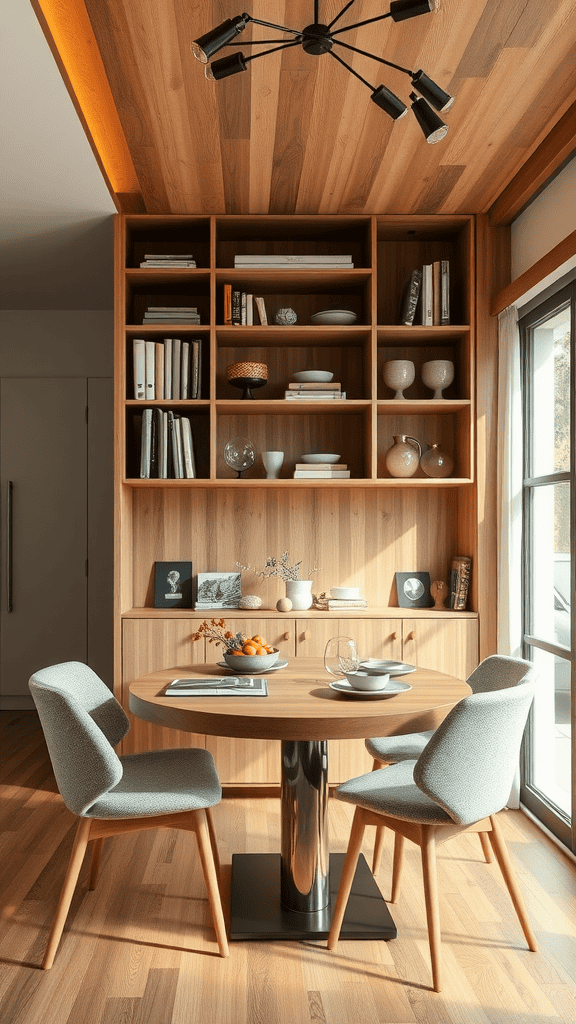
(249,649)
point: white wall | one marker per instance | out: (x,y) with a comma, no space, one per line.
(543,224)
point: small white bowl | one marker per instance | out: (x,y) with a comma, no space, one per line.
(365,681)
(313,457)
(313,376)
(251,662)
(345,593)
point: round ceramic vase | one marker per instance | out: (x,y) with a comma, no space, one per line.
(299,592)
(437,375)
(272,462)
(399,374)
(435,462)
(403,458)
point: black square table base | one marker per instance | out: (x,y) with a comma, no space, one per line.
(256,912)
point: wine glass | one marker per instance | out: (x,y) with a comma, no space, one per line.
(341,656)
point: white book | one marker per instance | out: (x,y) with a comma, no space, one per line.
(176,367)
(321,474)
(249,310)
(195,351)
(159,370)
(258,299)
(139,365)
(179,451)
(444,292)
(297,266)
(321,396)
(185,371)
(275,258)
(427,295)
(243,310)
(168,368)
(187,448)
(150,371)
(163,448)
(175,446)
(145,444)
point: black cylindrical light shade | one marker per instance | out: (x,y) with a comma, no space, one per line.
(439,98)
(389,102)
(230,65)
(211,42)
(433,127)
(401,10)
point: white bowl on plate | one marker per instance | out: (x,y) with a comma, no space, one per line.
(334,316)
(314,457)
(313,376)
(345,593)
(366,681)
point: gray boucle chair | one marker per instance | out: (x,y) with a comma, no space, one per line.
(458,784)
(497,672)
(82,723)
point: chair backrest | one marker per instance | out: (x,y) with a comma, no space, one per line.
(497,672)
(468,765)
(82,723)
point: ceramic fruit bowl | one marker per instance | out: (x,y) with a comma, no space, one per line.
(365,681)
(315,457)
(251,662)
(313,376)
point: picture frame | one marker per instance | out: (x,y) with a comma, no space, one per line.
(219,590)
(172,584)
(413,589)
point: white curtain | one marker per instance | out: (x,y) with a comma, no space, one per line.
(509,494)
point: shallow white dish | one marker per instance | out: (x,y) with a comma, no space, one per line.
(312,376)
(248,672)
(334,316)
(313,457)
(394,686)
(366,681)
(345,593)
(393,668)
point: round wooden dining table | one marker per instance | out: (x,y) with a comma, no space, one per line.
(290,895)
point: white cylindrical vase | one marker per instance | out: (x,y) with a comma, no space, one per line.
(300,593)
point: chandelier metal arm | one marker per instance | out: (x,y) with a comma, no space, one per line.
(358,24)
(264,53)
(270,24)
(343,11)
(380,60)
(347,66)
(261,42)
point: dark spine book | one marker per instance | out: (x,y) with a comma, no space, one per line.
(236,308)
(410,298)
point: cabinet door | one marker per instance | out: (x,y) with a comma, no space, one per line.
(251,762)
(447,645)
(147,646)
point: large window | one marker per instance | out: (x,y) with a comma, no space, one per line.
(547,350)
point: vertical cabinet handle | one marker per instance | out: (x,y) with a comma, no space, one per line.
(9,547)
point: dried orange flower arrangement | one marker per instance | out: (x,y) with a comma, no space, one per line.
(215,632)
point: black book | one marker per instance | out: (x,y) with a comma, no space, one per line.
(410,298)
(236,307)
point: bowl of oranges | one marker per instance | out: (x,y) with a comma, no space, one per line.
(255,655)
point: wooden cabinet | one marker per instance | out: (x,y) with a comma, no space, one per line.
(356,531)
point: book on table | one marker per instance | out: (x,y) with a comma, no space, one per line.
(215,686)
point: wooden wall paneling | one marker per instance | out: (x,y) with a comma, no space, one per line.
(507,294)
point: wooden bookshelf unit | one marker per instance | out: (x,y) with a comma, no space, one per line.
(356,531)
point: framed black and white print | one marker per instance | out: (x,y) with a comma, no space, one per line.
(173,584)
(413,590)
(219,590)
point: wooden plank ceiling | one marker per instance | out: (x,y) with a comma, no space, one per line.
(299,134)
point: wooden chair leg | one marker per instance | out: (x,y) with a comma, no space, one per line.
(429,874)
(378,848)
(97,845)
(352,854)
(486,847)
(509,875)
(213,842)
(397,866)
(74,865)
(211,880)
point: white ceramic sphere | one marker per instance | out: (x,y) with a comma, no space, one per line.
(284,604)
(438,374)
(399,374)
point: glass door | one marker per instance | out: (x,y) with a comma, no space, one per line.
(547,334)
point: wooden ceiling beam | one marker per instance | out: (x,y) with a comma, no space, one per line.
(558,145)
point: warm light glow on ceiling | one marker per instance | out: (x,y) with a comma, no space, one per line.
(69,25)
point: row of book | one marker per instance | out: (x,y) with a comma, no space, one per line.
(285,261)
(171,315)
(167,370)
(162,262)
(426,299)
(321,471)
(165,445)
(240,308)
(315,392)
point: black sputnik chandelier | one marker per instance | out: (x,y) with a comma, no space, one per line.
(317,39)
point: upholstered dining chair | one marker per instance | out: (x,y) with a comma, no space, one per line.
(82,723)
(460,781)
(497,672)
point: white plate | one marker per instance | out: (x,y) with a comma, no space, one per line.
(313,457)
(394,686)
(393,668)
(345,593)
(250,672)
(334,316)
(313,376)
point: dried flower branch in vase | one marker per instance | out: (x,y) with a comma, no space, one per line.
(298,591)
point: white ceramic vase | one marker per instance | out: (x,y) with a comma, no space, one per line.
(399,374)
(435,462)
(272,462)
(438,374)
(403,458)
(300,593)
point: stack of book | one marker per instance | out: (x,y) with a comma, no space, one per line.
(285,261)
(164,445)
(167,370)
(426,298)
(335,604)
(171,315)
(321,471)
(239,308)
(309,391)
(163,261)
